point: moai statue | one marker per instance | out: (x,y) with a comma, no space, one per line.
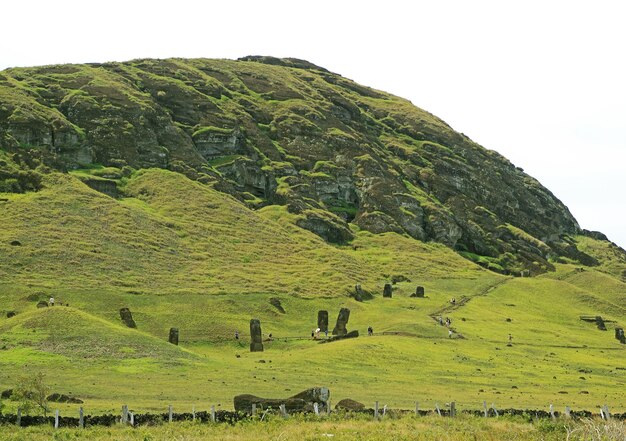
(173,336)
(387,291)
(600,323)
(127,318)
(322,320)
(619,334)
(256,340)
(342,321)
(419,291)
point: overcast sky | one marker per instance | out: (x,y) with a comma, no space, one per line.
(542,82)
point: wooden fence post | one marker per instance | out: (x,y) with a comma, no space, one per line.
(417,408)
(283,410)
(376,410)
(125,414)
(328,406)
(193,413)
(81,418)
(452,409)
(212,414)
(253,412)
(437,408)
(485,409)
(56,419)
(169,411)
(384,410)
(602,414)
(493,406)
(552,412)
(316,409)
(18,421)
(132,419)
(607,414)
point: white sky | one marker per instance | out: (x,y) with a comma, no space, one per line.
(542,82)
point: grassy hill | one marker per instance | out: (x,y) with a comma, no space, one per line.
(179,253)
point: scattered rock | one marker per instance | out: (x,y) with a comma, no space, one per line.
(16,243)
(349,405)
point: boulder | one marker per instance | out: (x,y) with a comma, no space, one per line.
(302,402)
(349,405)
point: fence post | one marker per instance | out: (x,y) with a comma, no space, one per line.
(417,408)
(485,409)
(212,414)
(437,408)
(81,418)
(193,413)
(283,410)
(328,406)
(452,409)
(125,414)
(552,412)
(606,412)
(493,406)
(56,419)
(602,414)
(18,421)
(253,409)
(568,412)
(169,411)
(132,419)
(316,409)
(376,410)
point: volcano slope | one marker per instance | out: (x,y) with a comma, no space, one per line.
(201,193)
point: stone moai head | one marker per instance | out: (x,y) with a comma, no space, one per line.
(173,339)
(322,320)
(127,318)
(619,334)
(419,291)
(342,321)
(256,339)
(387,291)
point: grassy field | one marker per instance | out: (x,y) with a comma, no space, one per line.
(406,428)
(180,254)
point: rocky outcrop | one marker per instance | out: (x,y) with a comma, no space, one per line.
(291,133)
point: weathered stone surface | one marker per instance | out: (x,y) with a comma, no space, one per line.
(419,292)
(256,338)
(127,318)
(322,320)
(349,405)
(600,323)
(173,338)
(342,321)
(387,290)
(302,402)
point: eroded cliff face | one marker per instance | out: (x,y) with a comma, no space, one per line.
(284,131)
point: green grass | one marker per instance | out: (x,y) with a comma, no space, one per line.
(337,428)
(180,254)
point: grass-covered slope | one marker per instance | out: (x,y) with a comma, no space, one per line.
(181,254)
(289,133)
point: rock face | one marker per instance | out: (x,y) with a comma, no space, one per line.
(127,318)
(173,337)
(286,132)
(322,320)
(302,402)
(342,321)
(256,338)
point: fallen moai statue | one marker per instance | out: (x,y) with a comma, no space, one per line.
(302,402)
(351,334)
